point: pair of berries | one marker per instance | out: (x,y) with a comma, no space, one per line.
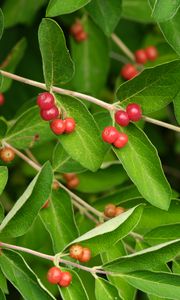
(77,31)
(72,181)
(2,99)
(112,136)
(112,211)
(56,276)
(50,112)
(7,154)
(83,254)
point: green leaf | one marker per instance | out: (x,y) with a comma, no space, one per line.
(22,133)
(91,60)
(75,290)
(147,259)
(100,10)
(142,164)
(159,284)
(58,219)
(11,62)
(153,89)
(163,11)
(163,234)
(56,7)
(2,296)
(3,283)
(58,67)
(84,144)
(22,277)
(176,103)
(105,290)
(25,210)
(1,23)
(1,212)
(4,178)
(109,233)
(63,163)
(3,122)
(137,10)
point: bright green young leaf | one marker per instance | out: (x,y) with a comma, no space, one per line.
(29,125)
(60,7)
(4,178)
(75,290)
(137,10)
(109,233)
(62,161)
(105,290)
(11,62)
(1,23)
(153,89)
(25,210)
(58,67)
(142,164)
(91,60)
(163,234)
(84,144)
(101,10)
(58,219)
(160,284)
(165,10)
(22,277)
(3,282)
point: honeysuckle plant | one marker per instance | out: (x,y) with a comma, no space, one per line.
(89,150)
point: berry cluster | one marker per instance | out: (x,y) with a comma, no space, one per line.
(83,254)
(111,135)
(56,276)
(77,31)
(50,112)
(112,211)
(2,99)
(129,71)
(7,154)
(72,181)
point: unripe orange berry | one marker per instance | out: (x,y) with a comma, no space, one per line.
(76,251)
(110,210)
(119,210)
(73,183)
(7,154)
(86,255)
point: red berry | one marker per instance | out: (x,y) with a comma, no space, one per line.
(81,36)
(73,183)
(65,279)
(86,255)
(50,114)
(119,210)
(76,251)
(141,56)
(134,112)
(121,118)
(69,176)
(54,275)
(128,71)
(57,126)
(76,28)
(110,210)
(151,53)
(110,134)
(2,99)
(69,125)
(121,141)
(7,154)
(45,100)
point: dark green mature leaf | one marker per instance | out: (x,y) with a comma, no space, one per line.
(101,10)
(105,290)
(163,234)
(91,60)
(109,233)
(1,23)
(56,7)
(23,132)
(154,88)
(62,161)
(142,164)
(3,282)
(176,103)
(11,62)
(147,259)
(84,144)
(20,11)
(137,10)
(3,122)
(162,11)
(25,210)
(58,219)
(159,284)
(58,67)
(4,178)
(22,277)
(75,290)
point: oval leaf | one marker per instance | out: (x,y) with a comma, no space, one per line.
(4,178)
(163,234)
(163,11)
(56,7)
(105,290)
(58,67)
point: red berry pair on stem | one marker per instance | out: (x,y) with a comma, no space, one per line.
(72,181)
(112,211)
(143,55)
(56,276)
(83,254)
(77,31)
(50,112)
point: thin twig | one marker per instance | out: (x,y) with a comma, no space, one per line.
(161,123)
(122,46)
(31,156)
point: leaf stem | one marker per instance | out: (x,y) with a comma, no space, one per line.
(122,46)
(161,123)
